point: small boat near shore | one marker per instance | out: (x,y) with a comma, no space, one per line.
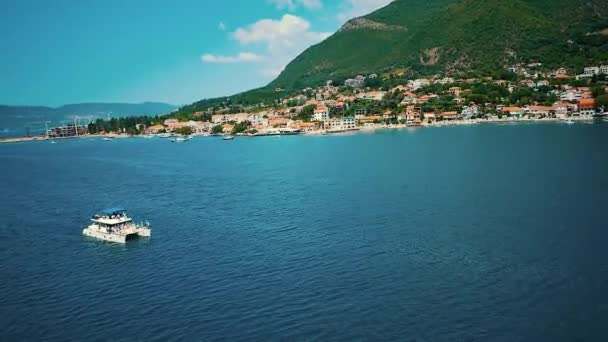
(228,137)
(113,225)
(181,139)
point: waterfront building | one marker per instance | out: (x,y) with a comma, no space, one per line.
(321,113)
(470,110)
(154,129)
(388,115)
(514,111)
(342,124)
(69,130)
(257,119)
(199,127)
(449,116)
(540,112)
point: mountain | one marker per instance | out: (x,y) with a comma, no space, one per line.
(18,120)
(431,36)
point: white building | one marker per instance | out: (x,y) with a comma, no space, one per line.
(570,95)
(356,82)
(360,112)
(604,69)
(592,70)
(321,113)
(342,124)
(446,80)
(257,119)
(542,83)
(419,83)
(470,111)
(219,119)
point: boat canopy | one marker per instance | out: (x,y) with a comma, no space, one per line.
(111,211)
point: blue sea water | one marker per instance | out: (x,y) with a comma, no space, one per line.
(492,233)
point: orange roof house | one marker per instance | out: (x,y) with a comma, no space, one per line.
(154,129)
(588,103)
(321,108)
(448,115)
(511,109)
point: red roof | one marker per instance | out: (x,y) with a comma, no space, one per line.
(587,103)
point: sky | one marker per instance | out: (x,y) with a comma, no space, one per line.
(72,51)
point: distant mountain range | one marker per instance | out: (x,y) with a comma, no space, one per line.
(18,120)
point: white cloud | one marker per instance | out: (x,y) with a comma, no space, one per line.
(311,4)
(356,8)
(284,4)
(242,57)
(291,5)
(221,26)
(283,39)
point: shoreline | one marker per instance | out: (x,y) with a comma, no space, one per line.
(362,129)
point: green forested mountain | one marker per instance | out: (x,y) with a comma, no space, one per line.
(426,37)
(430,36)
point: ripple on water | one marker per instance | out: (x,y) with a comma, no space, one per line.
(340,238)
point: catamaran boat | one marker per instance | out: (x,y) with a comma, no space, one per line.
(114,225)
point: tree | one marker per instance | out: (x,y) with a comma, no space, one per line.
(306,113)
(240,127)
(602,100)
(187,130)
(217,129)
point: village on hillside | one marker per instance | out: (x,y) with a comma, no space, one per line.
(357,104)
(523,93)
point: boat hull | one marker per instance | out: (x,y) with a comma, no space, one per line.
(115,237)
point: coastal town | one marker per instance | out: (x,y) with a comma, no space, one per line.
(522,93)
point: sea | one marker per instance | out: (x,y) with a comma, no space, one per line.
(468,233)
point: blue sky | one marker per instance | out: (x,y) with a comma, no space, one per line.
(68,51)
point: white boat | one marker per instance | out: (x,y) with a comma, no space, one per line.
(180,139)
(107,139)
(114,225)
(53,142)
(569,122)
(228,137)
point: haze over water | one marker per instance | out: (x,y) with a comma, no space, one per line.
(491,232)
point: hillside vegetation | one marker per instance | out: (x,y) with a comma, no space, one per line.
(428,37)
(457,36)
